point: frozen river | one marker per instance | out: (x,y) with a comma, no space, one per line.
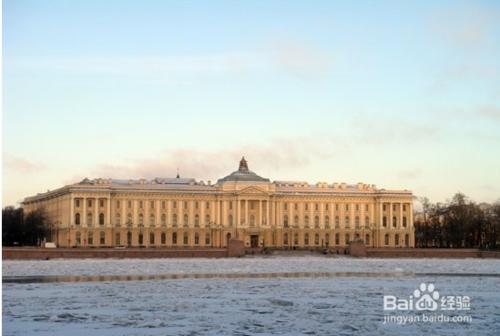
(248,296)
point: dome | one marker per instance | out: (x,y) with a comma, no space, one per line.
(243,174)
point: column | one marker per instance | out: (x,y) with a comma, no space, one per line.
(202,218)
(83,215)
(268,211)
(191,214)
(158,213)
(246,213)
(311,215)
(322,215)
(400,224)
(134,213)
(238,212)
(123,205)
(108,212)
(212,212)
(390,215)
(301,214)
(381,214)
(224,213)
(72,211)
(259,223)
(96,212)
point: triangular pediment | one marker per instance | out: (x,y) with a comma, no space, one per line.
(252,191)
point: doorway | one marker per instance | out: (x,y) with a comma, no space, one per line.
(254,241)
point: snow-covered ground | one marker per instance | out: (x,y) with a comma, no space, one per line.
(245,266)
(342,305)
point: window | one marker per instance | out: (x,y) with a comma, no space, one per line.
(386,239)
(78,238)
(89,219)
(337,221)
(163,220)
(174,238)
(151,238)
(77,203)
(141,204)
(230,205)
(296,239)
(196,239)
(346,221)
(186,220)
(151,220)
(327,239)
(326,206)
(306,239)
(336,207)
(207,220)
(89,203)
(357,207)
(101,203)
(129,220)
(394,207)
(296,221)
(174,204)
(383,207)
(163,204)
(252,220)
(174,220)
(347,207)
(296,206)
(77,219)
(129,204)
(251,205)
(118,204)
(185,205)
(186,239)
(118,220)
(207,239)
(141,220)
(285,206)
(366,208)
(163,238)
(367,239)
(384,221)
(101,219)
(117,238)
(316,222)
(230,220)
(285,221)
(90,238)
(404,207)
(396,239)
(152,204)
(394,221)
(208,205)
(337,239)
(327,222)
(404,221)
(129,238)
(347,239)
(367,221)
(306,221)
(316,239)
(306,206)
(316,206)
(356,222)
(102,238)
(141,239)
(407,240)
(285,239)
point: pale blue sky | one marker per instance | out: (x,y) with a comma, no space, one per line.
(399,94)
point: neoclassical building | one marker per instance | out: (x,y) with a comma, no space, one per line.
(183,212)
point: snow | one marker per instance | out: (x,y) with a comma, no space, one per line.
(341,305)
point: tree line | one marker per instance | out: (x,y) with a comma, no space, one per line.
(458,223)
(20,229)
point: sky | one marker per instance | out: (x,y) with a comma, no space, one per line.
(401,94)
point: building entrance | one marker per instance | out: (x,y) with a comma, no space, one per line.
(254,241)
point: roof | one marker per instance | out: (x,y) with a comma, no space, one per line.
(243,174)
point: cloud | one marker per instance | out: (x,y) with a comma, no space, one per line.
(20,165)
(410,174)
(490,112)
(301,59)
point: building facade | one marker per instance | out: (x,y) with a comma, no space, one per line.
(183,212)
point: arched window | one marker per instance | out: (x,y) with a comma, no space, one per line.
(337,222)
(186,239)
(230,220)
(163,220)
(90,238)
(151,220)
(141,239)
(197,238)
(78,238)
(316,222)
(356,222)
(102,238)
(89,219)
(327,222)
(396,239)
(384,221)
(306,221)
(285,239)
(151,238)
(252,220)
(174,220)
(141,220)
(186,220)
(77,219)
(404,221)
(163,238)
(386,239)
(174,238)
(316,239)
(118,220)
(285,221)
(306,239)
(101,219)
(394,221)
(196,221)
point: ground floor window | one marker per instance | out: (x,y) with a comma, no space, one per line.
(141,239)
(196,239)
(174,238)
(296,239)
(78,238)
(386,239)
(185,242)
(367,239)
(327,239)
(337,239)
(102,238)
(316,239)
(90,238)
(117,238)
(163,238)
(285,239)
(306,239)
(347,239)
(407,240)
(396,239)
(207,239)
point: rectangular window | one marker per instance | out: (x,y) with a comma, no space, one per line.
(347,207)
(101,203)
(129,204)
(163,204)
(296,206)
(383,207)
(366,207)
(404,207)
(89,203)
(174,204)
(336,207)
(118,204)
(326,206)
(207,239)
(357,207)
(77,203)
(152,204)
(285,206)
(394,207)
(306,206)
(140,204)
(316,206)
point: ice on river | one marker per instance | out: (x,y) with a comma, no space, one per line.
(343,305)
